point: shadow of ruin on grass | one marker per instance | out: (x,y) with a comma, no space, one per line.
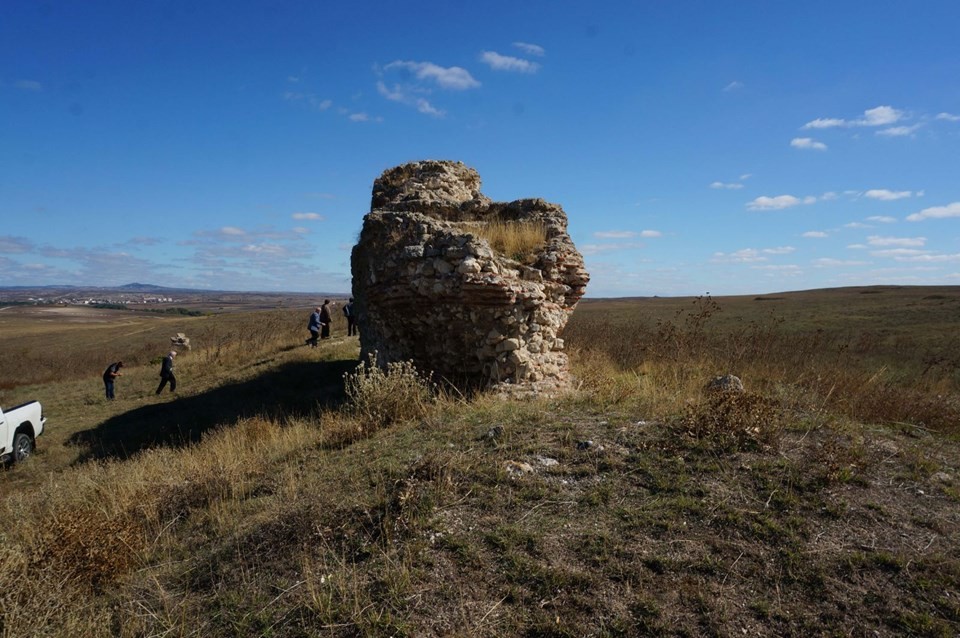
(293,390)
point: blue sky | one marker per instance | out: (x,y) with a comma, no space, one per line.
(731,147)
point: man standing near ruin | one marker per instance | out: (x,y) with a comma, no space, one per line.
(325,319)
(313,325)
(166,372)
(351,316)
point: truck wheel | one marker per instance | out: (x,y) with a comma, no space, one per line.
(22,447)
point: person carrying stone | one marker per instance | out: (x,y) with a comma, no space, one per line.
(111,373)
(325,319)
(351,316)
(166,372)
(313,325)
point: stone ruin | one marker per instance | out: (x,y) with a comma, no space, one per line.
(428,287)
(181,340)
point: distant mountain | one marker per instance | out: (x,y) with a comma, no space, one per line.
(136,287)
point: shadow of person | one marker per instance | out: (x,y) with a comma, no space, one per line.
(293,390)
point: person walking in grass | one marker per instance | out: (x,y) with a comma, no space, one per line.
(313,325)
(111,373)
(325,319)
(166,373)
(351,316)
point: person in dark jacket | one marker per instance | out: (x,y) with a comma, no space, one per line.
(166,373)
(325,319)
(111,373)
(351,316)
(313,325)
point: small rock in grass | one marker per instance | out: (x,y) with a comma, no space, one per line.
(726,383)
(518,468)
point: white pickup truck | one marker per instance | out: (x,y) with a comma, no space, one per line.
(19,429)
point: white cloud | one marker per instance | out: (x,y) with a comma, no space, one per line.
(454,78)
(733,86)
(597,249)
(400,94)
(821,122)
(808,143)
(423,106)
(899,252)
(936,212)
(742,256)
(782,270)
(879,116)
(899,131)
(815,234)
(856,246)
(626,234)
(28,85)
(779,250)
(396,93)
(949,117)
(857,225)
(300,230)
(614,234)
(311,216)
(725,185)
(359,117)
(829,196)
(265,249)
(745,177)
(829,262)
(308,98)
(779,202)
(882,219)
(232,231)
(530,49)
(928,258)
(499,62)
(886,195)
(10,244)
(876,240)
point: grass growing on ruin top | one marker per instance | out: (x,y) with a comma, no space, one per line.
(518,240)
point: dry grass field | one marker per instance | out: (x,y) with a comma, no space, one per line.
(270,496)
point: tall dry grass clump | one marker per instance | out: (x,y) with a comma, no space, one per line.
(381,396)
(518,240)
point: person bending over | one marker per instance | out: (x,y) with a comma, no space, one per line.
(111,373)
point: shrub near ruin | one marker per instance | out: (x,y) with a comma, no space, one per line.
(380,397)
(734,420)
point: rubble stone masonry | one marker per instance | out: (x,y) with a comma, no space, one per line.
(430,289)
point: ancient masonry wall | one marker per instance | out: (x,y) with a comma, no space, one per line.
(428,289)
